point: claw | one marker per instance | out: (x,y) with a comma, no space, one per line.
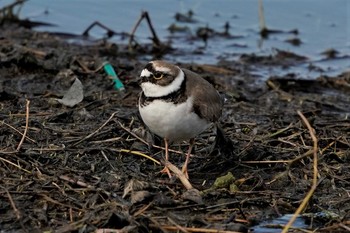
(166,170)
(184,168)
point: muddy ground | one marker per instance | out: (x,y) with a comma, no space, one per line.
(73,171)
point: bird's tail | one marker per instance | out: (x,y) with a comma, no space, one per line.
(223,143)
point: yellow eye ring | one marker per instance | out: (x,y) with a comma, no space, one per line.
(157,77)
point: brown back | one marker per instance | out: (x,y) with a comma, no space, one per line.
(207,101)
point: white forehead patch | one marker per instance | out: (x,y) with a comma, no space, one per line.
(154,90)
(162,69)
(145,73)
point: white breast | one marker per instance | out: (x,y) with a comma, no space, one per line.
(174,122)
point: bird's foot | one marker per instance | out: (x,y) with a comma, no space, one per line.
(166,170)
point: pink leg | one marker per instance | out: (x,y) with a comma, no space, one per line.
(165,169)
(184,168)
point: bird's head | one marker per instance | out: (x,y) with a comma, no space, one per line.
(160,78)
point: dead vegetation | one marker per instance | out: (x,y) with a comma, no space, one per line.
(83,169)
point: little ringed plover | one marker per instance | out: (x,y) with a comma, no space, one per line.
(177,104)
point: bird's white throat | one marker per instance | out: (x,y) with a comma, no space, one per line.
(154,90)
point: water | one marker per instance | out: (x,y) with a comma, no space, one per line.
(271,226)
(322,24)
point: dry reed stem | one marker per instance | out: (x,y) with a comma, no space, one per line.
(179,175)
(289,162)
(144,142)
(143,209)
(194,229)
(344,226)
(49,199)
(18,214)
(13,164)
(140,154)
(26,128)
(13,128)
(155,39)
(109,230)
(86,69)
(262,21)
(315,174)
(96,131)
(180,228)
(76,181)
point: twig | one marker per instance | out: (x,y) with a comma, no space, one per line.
(13,164)
(180,228)
(329,145)
(11,127)
(131,38)
(144,15)
(156,224)
(265,162)
(278,131)
(179,175)
(49,199)
(106,158)
(110,230)
(289,162)
(270,83)
(155,39)
(38,53)
(110,32)
(315,171)
(344,226)
(141,154)
(33,114)
(306,154)
(7,12)
(26,128)
(143,141)
(86,69)
(18,214)
(77,182)
(106,140)
(131,133)
(261,16)
(143,209)
(96,131)
(194,229)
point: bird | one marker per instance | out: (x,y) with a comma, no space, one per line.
(177,105)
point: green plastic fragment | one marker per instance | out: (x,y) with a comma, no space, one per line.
(118,85)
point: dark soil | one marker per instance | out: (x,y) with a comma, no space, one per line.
(73,172)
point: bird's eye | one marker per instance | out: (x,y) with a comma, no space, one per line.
(158,75)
